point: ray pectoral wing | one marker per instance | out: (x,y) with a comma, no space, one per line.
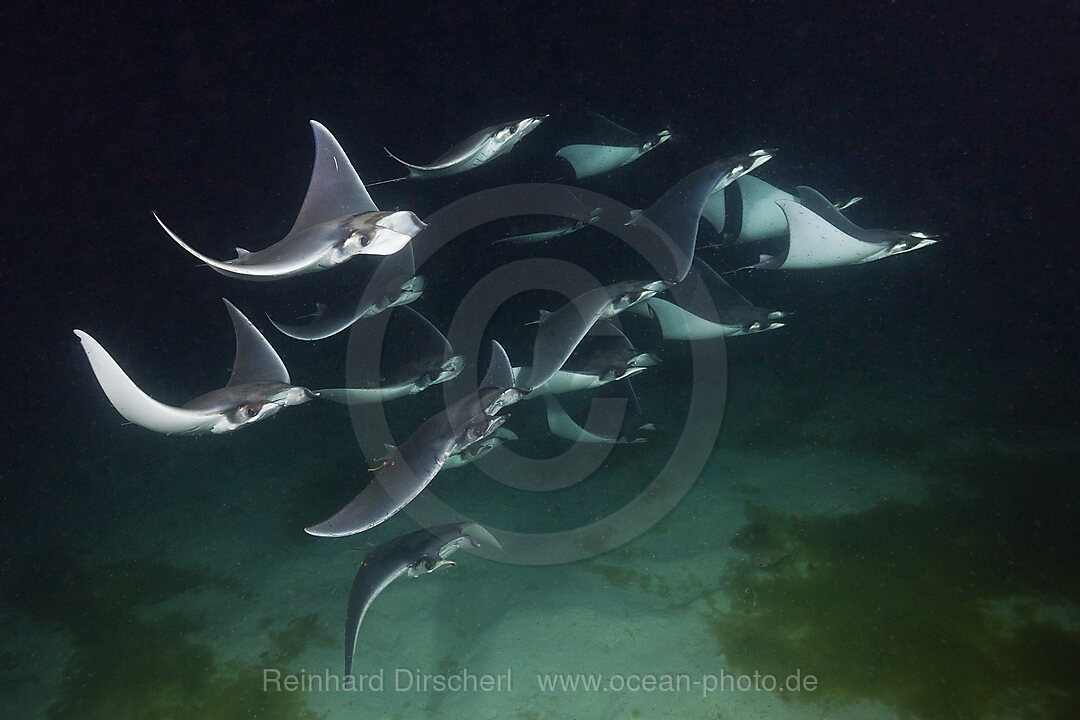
(135,405)
(761,217)
(256,360)
(392,489)
(408,165)
(480,535)
(336,222)
(590,160)
(562,425)
(419,552)
(500,374)
(364,396)
(233,268)
(325,323)
(817,203)
(369,583)
(814,242)
(216,264)
(679,324)
(335,190)
(470,153)
(319,329)
(561,331)
(678,213)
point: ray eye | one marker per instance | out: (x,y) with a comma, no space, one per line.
(249,412)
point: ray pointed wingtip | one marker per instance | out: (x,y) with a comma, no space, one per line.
(84,337)
(234,312)
(176,238)
(283,329)
(322,530)
(482,535)
(320,132)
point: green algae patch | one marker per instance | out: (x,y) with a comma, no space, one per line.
(125,666)
(625,579)
(893,605)
(293,639)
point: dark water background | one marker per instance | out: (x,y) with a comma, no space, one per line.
(960,120)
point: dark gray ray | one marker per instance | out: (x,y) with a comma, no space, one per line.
(558,333)
(415,554)
(731,307)
(409,468)
(499,372)
(608,355)
(558,228)
(479,449)
(432,362)
(734,314)
(678,212)
(392,284)
(396,482)
(540,228)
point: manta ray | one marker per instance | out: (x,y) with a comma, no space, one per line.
(735,315)
(409,468)
(478,149)
(337,222)
(669,230)
(412,555)
(820,236)
(611,146)
(433,362)
(258,388)
(392,283)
